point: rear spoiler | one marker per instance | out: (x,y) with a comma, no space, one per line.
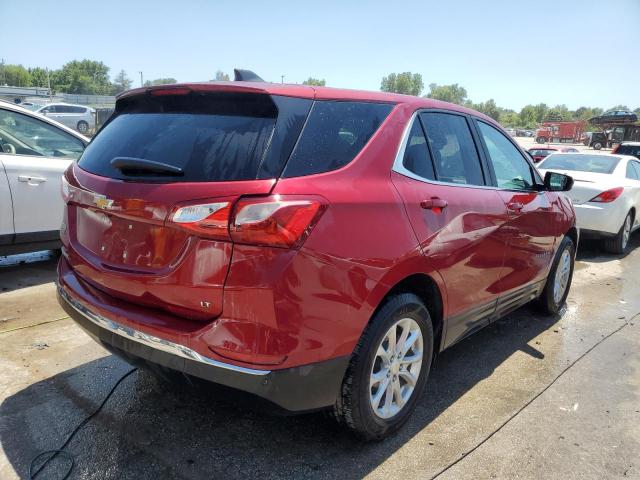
(254,86)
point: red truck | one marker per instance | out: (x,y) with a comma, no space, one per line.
(560,132)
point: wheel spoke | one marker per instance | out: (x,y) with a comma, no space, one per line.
(379,376)
(416,357)
(398,393)
(403,337)
(375,400)
(391,336)
(388,399)
(410,342)
(383,354)
(409,377)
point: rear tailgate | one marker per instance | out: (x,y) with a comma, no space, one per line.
(212,148)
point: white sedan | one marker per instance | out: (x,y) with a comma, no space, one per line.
(605,194)
(34,152)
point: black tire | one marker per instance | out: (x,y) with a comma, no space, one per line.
(597,145)
(546,301)
(541,139)
(618,244)
(83,127)
(353,408)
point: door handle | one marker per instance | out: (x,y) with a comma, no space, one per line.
(434,203)
(31,180)
(515,206)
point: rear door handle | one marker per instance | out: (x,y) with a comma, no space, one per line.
(515,206)
(31,180)
(434,203)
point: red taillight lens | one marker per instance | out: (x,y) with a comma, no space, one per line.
(275,221)
(608,195)
(65,190)
(615,149)
(208,220)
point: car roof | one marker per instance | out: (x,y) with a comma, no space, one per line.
(314,93)
(635,144)
(17,108)
(543,148)
(65,104)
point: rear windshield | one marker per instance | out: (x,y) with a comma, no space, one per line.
(212,137)
(580,163)
(629,150)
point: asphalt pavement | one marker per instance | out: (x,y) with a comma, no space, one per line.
(528,397)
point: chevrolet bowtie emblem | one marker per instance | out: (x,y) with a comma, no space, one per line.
(102,202)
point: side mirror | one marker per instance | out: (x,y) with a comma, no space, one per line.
(557,182)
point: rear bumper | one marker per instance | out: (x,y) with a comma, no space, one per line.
(606,218)
(293,390)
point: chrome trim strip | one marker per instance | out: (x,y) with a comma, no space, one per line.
(152,341)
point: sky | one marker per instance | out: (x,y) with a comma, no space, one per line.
(573,52)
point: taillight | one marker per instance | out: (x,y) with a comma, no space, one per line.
(209,220)
(276,221)
(615,149)
(608,195)
(65,190)
(159,92)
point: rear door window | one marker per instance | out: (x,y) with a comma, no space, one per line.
(334,134)
(452,148)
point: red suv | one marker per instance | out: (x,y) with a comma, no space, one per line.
(312,246)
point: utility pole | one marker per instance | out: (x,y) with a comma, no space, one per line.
(141,79)
(48,83)
(281,78)
(4,76)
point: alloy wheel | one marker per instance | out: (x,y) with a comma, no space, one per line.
(561,280)
(626,231)
(396,368)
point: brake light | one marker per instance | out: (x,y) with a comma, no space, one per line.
(615,149)
(275,221)
(608,195)
(169,91)
(209,220)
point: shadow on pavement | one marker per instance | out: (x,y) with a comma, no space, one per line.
(593,251)
(150,431)
(27,270)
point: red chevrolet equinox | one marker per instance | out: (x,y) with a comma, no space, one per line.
(311,246)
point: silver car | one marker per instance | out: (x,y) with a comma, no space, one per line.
(78,117)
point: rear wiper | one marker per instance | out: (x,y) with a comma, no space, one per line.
(142,166)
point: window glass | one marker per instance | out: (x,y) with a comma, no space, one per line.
(63,109)
(580,162)
(452,148)
(633,150)
(512,171)
(416,156)
(334,134)
(77,109)
(631,172)
(23,135)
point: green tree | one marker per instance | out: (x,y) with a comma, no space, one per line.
(15,76)
(448,93)
(406,82)
(528,116)
(489,108)
(510,118)
(315,81)
(160,81)
(38,77)
(82,76)
(221,76)
(121,83)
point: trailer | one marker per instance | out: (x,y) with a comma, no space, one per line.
(560,132)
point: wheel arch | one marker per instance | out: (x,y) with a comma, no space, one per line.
(429,291)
